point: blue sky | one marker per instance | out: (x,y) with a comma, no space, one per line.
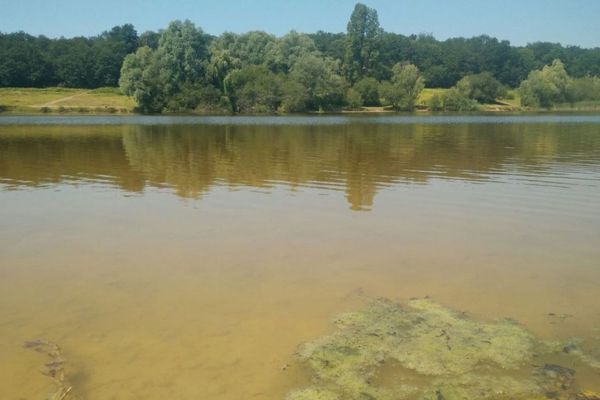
(520,21)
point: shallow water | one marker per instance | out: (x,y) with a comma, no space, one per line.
(187,258)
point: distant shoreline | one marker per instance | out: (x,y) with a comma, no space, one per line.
(109,101)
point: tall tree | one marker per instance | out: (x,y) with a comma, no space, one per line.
(361,42)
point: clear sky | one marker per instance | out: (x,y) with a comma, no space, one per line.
(575,22)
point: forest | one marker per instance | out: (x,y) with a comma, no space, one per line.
(183,68)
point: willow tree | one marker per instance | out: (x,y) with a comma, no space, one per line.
(546,87)
(182,53)
(171,75)
(140,78)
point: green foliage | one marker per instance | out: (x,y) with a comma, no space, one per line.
(293,96)
(283,53)
(28,61)
(546,87)
(75,68)
(200,97)
(323,87)
(368,89)
(361,42)
(188,97)
(483,88)
(172,76)
(330,44)
(110,52)
(453,100)
(354,100)
(221,63)
(23,62)
(584,89)
(253,89)
(253,72)
(404,88)
(231,51)
(248,49)
(140,78)
(435,103)
(181,54)
(149,39)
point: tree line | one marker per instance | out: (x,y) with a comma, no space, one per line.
(29,61)
(182,67)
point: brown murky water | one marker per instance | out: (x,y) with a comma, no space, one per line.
(187,258)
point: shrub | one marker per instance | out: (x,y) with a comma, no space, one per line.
(435,103)
(353,99)
(483,87)
(368,89)
(455,100)
(584,89)
(293,97)
(253,89)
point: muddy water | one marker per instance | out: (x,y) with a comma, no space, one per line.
(187,258)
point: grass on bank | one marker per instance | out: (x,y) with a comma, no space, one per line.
(64,100)
(427,94)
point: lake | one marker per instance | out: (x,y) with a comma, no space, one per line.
(190,257)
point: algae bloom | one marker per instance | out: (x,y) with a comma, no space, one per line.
(425,351)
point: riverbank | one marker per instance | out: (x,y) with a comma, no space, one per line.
(34,101)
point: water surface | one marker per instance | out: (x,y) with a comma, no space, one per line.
(188,257)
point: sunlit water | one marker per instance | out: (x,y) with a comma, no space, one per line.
(187,258)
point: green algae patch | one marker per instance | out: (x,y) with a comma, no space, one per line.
(441,342)
(439,354)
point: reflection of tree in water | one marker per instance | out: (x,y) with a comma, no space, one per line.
(358,158)
(42,155)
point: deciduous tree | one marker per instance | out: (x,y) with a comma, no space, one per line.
(404,88)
